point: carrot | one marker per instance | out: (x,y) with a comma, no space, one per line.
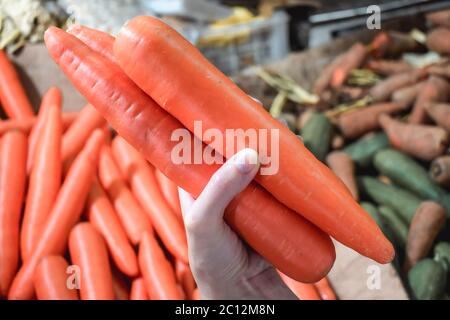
(357,123)
(133,218)
(184,66)
(146,190)
(438,40)
(440,70)
(326,292)
(388,67)
(50,280)
(440,171)
(12,95)
(51,97)
(342,164)
(65,213)
(88,251)
(196,294)
(323,81)
(307,253)
(439,18)
(383,90)
(170,192)
(337,142)
(121,286)
(138,290)
(408,95)
(393,43)
(440,113)
(303,118)
(185,278)
(45,179)
(435,90)
(428,221)
(303,291)
(421,141)
(13,155)
(353,59)
(27,124)
(76,135)
(157,271)
(103,217)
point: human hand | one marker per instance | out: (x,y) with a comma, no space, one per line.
(222,265)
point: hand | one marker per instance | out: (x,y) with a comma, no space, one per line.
(223,266)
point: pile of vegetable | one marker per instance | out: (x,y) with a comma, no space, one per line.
(382,124)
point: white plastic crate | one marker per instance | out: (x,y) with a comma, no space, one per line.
(239,46)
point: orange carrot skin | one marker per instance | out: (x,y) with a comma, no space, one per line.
(65,213)
(306,253)
(303,291)
(88,251)
(185,278)
(195,85)
(138,290)
(45,179)
(170,192)
(353,58)
(27,124)
(103,217)
(98,41)
(52,97)
(76,135)
(325,291)
(132,216)
(12,95)
(142,179)
(13,155)
(50,281)
(157,271)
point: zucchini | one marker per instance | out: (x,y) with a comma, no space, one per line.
(316,135)
(407,173)
(427,280)
(402,201)
(442,254)
(396,224)
(363,150)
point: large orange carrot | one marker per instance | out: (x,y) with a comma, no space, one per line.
(303,291)
(98,41)
(76,135)
(13,157)
(325,290)
(50,280)
(170,192)
(355,124)
(435,90)
(190,88)
(157,271)
(45,179)
(146,190)
(138,290)
(65,213)
(280,235)
(88,251)
(131,214)
(52,97)
(12,95)
(27,124)
(102,216)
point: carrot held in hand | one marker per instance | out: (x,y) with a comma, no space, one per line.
(50,281)
(421,141)
(88,251)
(157,271)
(12,95)
(440,171)
(45,179)
(142,180)
(303,291)
(133,218)
(202,89)
(440,113)
(427,223)
(342,164)
(65,213)
(138,290)
(13,157)
(102,216)
(306,253)
(326,292)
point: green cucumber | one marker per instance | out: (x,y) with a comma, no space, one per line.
(402,201)
(395,223)
(363,150)
(407,173)
(427,280)
(442,254)
(316,135)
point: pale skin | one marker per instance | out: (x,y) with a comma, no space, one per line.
(222,265)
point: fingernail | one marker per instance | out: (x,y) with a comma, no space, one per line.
(246,160)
